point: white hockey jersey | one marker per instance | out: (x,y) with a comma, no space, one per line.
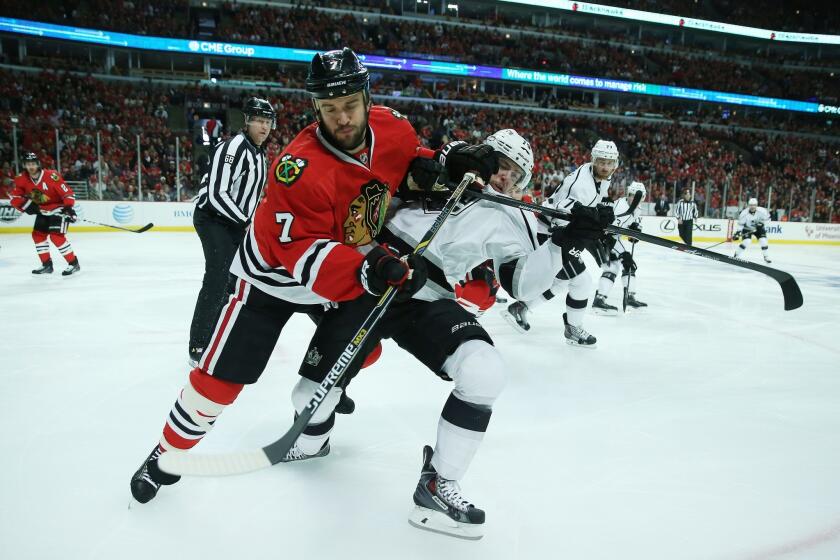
(749,221)
(620,207)
(579,186)
(476,231)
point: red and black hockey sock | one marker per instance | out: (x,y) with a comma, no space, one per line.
(194,413)
(42,246)
(64,247)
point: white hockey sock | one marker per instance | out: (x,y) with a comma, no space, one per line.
(191,418)
(742,247)
(479,374)
(606,282)
(320,426)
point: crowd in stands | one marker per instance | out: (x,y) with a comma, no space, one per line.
(667,157)
(309,28)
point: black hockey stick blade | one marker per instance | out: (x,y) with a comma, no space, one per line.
(790,289)
(196,464)
(147,227)
(637,198)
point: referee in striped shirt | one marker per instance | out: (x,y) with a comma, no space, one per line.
(686,212)
(228,196)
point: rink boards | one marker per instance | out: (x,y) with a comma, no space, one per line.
(177,216)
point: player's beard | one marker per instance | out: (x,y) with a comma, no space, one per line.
(348,142)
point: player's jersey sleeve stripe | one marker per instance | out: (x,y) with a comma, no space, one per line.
(312,264)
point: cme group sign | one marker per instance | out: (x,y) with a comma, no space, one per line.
(221,48)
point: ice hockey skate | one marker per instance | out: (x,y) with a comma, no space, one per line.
(149,478)
(517,315)
(440,507)
(296,454)
(601,307)
(633,302)
(46,268)
(577,336)
(72,268)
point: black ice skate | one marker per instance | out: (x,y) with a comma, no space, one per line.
(46,268)
(600,306)
(517,315)
(72,268)
(439,506)
(767,259)
(149,478)
(633,302)
(295,453)
(577,336)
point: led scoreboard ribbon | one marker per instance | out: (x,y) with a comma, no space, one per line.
(533,77)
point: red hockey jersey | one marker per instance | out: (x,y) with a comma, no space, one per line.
(47,190)
(320,205)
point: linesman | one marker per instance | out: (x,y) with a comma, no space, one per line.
(227,198)
(686,212)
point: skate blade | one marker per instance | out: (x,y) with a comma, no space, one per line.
(579,345)
(605,312)
(513,322)
(437,522)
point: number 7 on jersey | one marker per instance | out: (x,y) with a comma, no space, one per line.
(285,220)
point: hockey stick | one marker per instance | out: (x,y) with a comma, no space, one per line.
(718,243)
(627,286)
(790,289)
(246,461)
(147,227)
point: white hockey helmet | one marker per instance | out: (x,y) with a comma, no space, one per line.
(605,149)
(635,187)
(752,202)
(510,144)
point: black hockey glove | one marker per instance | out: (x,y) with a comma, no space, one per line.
(635,227)
(584,223)
(736,236)
(459,158)
(627,262)
(606,215)
(383,267)
(33,209)
(424,175)
(69,214)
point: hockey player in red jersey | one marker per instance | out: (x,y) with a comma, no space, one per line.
(43,193)
(325,200)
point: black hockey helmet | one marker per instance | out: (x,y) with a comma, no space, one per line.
(30,156)
(336,74)
(256,107)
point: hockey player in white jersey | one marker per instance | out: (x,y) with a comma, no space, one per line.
(442,334)
(620,256)
(752,221)
(586,188)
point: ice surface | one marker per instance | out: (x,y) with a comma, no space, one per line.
(706,427)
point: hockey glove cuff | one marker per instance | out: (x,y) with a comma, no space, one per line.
(383,268)
(69,214)
(33,209)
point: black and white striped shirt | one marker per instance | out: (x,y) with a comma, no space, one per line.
(233,186)
(686,210)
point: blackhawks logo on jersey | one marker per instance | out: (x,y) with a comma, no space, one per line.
(54,176)
(38,197)
(289,169)
(366,214)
